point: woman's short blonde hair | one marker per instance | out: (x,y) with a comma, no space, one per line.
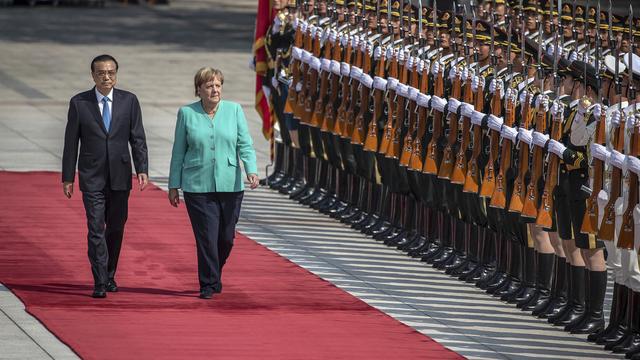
(205,75)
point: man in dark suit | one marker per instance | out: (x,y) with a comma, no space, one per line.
(104,121)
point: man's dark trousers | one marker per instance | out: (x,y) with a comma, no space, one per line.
(107,212)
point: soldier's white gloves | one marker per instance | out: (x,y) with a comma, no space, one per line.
(377,53)
(523,97)
(423,100)
(299,86)
(615,118)
(631,121)
(542,100)
(379,83)
(274,82)
(496,85)
(392,83)
(476,117)
(617,159)
(435,68)
(573,56)
(296,52)
(633,164)
(467,110)
(453,73)
(474,83)
(401,56)
(495,123)
(389,53)
(599,152)
(354,42)
(492,86)
(557,108)
(597,110)
(344,40)
(276,25)
(550,50)
(355,73)
(413,93)
(438,103)
(402,90)
(315,64)
(366,80)
(556,147)
(409,63)
(325,64)
(421,65)
(525,135)
(540,139)
(345,69)
(453,105)
(306,56)
(507,132)
(465,74)
(336,67)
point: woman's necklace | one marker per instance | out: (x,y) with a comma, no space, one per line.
(213,111)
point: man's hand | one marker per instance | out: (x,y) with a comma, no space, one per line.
(253,180)
(174,197)
(143,180)
(67,189)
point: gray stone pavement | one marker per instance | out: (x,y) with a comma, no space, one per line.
(44,60)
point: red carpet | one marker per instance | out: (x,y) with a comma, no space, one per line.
(270,307)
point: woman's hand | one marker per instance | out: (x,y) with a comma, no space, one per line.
(174,197)
(253,180)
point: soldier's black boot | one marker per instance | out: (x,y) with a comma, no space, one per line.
(429,226)
(515,273)
(444,235)
(626,323)
(528,289)
(558,302)
(364,199)
(576,298)
(632,340)
(546,265)
(498,275)
(485,260)
(468,256)
(593,321)
(278,173)
(284,187)
(502,278)
(634,345)
(617,326)
(308,173)
(449,237)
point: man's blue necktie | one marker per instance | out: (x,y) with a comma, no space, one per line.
(106,113)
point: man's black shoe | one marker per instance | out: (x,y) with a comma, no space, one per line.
(112,286)
(99,293)
(206,294)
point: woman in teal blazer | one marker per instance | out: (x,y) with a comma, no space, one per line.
(211,135)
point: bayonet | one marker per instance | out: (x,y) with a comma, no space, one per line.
(454,37)
(401,29)
(494,58)
(540,50)
(523,60)
(557,49)
(632,89)
(473,32)
(436,33)
(464,36)
(574,31)
(508,24)
(420,38)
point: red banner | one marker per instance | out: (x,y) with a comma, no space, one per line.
(263,20)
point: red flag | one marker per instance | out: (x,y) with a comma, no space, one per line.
(263,20)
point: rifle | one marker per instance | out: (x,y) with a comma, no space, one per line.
(312,91)
(460,167)
(446,164)
(498,200)
(416,163)
(607,226)
(407,150)
(393,150)
(357,130)
(432,161)
(517,197)
(391,94)
(295,71)
(472,177)
(371,142)
(545,210)
(530,207)
(488,185)
(318,118)
(627,231)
